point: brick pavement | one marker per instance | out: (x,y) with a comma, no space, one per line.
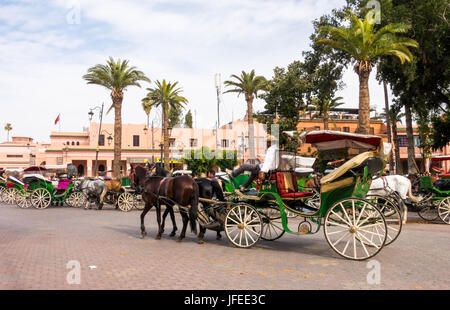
(35,246)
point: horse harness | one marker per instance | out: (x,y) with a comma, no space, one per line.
(167,182)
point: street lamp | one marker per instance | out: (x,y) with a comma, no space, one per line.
(91,114)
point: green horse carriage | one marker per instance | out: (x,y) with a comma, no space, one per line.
(37,191)
(436,202)
(355,227)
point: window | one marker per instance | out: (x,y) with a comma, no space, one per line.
(135,140)
(193,143)
(416,141)
(14,156)
(317,127)
(261,143)
(171,142)
(402,141)
(73,142)
(346,129)
(59,160)
(225,143)
(101,140)
(78,142)
(372,130)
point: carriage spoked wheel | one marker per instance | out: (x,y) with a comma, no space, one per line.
(444,210)
(9,196)
(392,216)
(429,211)
(126,202)
(355,228)
(23,200)
(272,223)
(2,192)
(76,199)
(41,198)
(243,225)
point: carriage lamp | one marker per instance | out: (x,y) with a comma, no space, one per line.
(91,114)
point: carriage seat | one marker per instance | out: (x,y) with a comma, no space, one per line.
(63,184)
(442,185)
(287,186)
(30,178)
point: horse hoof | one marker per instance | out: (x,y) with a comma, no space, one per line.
(173,234)
(218,237)
(158,237)
(201,241)
(179,239)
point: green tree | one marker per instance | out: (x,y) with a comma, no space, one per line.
(200,161)
(175,113)
(228,161)
(324,107)
(286,94)
(188,119)
(167,95)
(8,128)
(249,85)
(116,76)
(365,46)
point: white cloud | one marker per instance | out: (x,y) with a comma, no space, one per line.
(43,58)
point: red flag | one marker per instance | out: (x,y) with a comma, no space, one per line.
(57,120)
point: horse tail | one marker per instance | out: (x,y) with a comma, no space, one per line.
(102,195)
(193,210)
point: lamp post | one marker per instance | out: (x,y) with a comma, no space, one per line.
(218,84)
(91,114)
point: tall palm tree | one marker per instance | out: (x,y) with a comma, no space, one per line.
(249,85)
(323,107)
(167,95)
(8,128)
(116,76)
(395,116)
(365,46)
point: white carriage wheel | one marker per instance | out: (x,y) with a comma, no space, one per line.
(272,223)
(23,200)
(355,228)
(392,216)
(76,199)
(444,210)
(125,202)
(139,203)
(41,198)
(243,225)
(10,196)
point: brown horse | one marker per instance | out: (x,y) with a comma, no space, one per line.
(181,191)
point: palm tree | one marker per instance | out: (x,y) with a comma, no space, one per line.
(365,46)
(116,76)
(323,108)
(249,85)
(395,116)
(167,95)
(147,107)
(8,128)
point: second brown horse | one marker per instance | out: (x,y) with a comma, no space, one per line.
(170,191)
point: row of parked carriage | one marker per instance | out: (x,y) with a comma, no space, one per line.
(356,225)
(34,189)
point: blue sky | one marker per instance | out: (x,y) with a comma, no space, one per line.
(44,52)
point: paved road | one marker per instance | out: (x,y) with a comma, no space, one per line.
(36,245)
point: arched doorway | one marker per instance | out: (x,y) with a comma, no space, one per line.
(80,170)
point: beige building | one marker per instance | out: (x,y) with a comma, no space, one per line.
(138,143)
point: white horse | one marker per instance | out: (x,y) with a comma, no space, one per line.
(385,185)
(94,190)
